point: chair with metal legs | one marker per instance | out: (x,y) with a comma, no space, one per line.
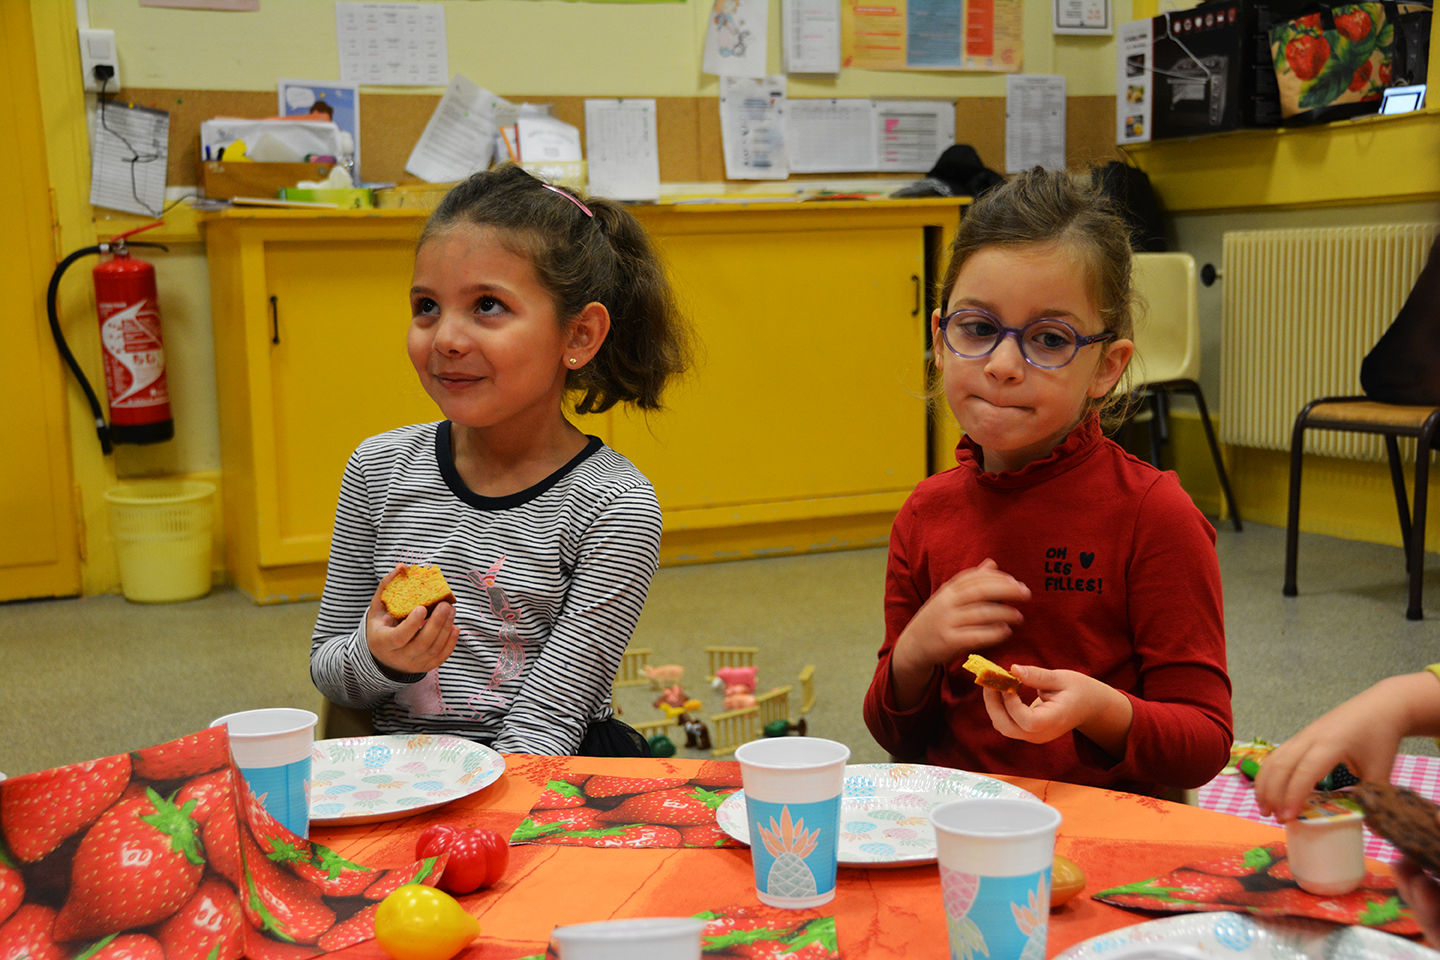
(1392,421)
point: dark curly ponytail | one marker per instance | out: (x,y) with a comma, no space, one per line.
(585,250)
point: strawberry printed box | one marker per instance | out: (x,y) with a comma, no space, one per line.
(156,855)
(1333,64)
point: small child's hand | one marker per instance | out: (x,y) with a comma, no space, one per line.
(1363,733)
(417,644)
(1068,701)
(970,612)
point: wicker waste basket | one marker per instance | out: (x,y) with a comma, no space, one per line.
(162,534)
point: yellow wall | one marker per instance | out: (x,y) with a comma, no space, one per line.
(541,47)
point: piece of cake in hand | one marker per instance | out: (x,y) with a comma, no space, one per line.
(991,675)
(415,586)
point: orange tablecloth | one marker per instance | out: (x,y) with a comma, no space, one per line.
(879,913)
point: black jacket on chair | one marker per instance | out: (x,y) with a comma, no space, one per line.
(1404,366)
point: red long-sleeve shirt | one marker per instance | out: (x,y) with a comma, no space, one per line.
(1125,587)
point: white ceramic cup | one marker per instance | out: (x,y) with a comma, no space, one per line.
(793,787)
(645,938)
(995,857)
(272,749)
(1327,857)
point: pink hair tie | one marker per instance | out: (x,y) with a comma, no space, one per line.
(571,198)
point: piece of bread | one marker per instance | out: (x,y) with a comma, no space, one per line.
(991,675)
(1403,817)
(416,586)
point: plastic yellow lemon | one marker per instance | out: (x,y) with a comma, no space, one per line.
(1066,880)
(422,923)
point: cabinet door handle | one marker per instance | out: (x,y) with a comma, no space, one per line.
(913,279)
(274,320)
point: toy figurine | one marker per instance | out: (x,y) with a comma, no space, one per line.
(664,675)
(675,713)
(742,677)
(782,728)
(673,696)
(697,735)
(738,701)
(661,746)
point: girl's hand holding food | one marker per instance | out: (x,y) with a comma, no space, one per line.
(1067,701)
(417,644)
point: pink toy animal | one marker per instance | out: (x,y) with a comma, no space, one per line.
(736,701)
(674,696)
(728,677)
(664,675)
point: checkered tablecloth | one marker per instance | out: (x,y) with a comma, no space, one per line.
(1233,793)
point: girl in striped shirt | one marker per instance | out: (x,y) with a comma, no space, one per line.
(523,295)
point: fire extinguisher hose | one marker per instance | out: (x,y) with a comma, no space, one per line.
(102,429)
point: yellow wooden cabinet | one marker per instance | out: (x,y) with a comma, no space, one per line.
(803,425)
(39,546)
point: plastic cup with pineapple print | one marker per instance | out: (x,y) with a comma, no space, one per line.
(792,803)
(995,857)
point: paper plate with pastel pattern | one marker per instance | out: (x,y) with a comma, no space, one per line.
(370,779)
(884,813)
(1235,936)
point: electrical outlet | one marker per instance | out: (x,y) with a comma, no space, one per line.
(97,49)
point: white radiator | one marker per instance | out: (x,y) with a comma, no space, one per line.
(1301,309)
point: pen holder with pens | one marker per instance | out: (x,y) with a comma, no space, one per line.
(221,180)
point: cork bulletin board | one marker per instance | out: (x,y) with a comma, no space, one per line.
(688,130)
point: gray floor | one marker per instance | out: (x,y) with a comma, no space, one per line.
(88,678)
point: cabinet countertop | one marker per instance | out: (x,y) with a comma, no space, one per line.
(184,224)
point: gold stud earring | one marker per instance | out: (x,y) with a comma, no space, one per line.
(573,361)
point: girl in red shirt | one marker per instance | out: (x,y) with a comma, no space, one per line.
(1088,573)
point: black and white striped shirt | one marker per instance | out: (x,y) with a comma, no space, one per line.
(549,583)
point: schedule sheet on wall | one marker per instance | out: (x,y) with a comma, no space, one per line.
(831,136)
(913,133)
(622,146)
(1034,122)
(811,32)
(397,44)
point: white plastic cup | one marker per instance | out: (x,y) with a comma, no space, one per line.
(793,787)
(995,857)
(646,938)
(1327,855)
(272,749)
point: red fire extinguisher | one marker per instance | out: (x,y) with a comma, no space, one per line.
(131,344)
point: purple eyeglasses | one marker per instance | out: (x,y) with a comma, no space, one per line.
(1048,343)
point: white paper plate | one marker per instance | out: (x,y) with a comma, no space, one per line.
(1235,936)
(884,813)
(369,779)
